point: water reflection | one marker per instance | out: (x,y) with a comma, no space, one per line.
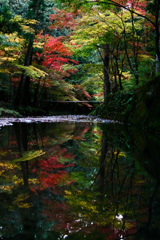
(78,181)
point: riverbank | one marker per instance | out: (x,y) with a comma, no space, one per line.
(140,107)
(50,119)
(8,110)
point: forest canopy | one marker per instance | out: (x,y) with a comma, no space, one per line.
(76,51)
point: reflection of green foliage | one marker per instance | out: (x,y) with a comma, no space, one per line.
(29,155)
(93,208)
(81,179)
(82,204)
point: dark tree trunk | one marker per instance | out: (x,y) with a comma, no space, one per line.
(103,164)
(115,82)
(120,81)
(107,87)
(22,96)
(117,69)
(35,102)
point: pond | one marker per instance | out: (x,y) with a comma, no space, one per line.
(79,180)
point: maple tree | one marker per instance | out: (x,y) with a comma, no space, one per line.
(119,39)
(56,60)
(55,54)
(123,34)
(134,7)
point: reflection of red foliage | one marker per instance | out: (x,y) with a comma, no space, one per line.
(13,141)
(52,163)
(133,229)
(57,211)
(61,214)
(15,81)
(51,180)
(112,233)
(81,135)
(86,129)
(51,172)
(97,132)
(48,179)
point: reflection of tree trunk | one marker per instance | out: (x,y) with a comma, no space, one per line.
(157,44)
(150,208)
(21,135)
(146,229)
(113,168)
(103,164)
(35,130)
(29,223)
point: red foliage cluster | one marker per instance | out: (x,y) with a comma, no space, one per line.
(62,20)
(82,94)
(55,54)
(134,5)
(51,164)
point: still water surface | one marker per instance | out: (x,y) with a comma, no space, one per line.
(78,181)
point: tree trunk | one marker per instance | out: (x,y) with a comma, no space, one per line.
(35,102)
(107,85)
(23,88)
(120,81)
(115,82)
(22,96)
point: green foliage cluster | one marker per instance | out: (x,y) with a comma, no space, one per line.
(9,113)
(31,111)
(139,107)
(116,106)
